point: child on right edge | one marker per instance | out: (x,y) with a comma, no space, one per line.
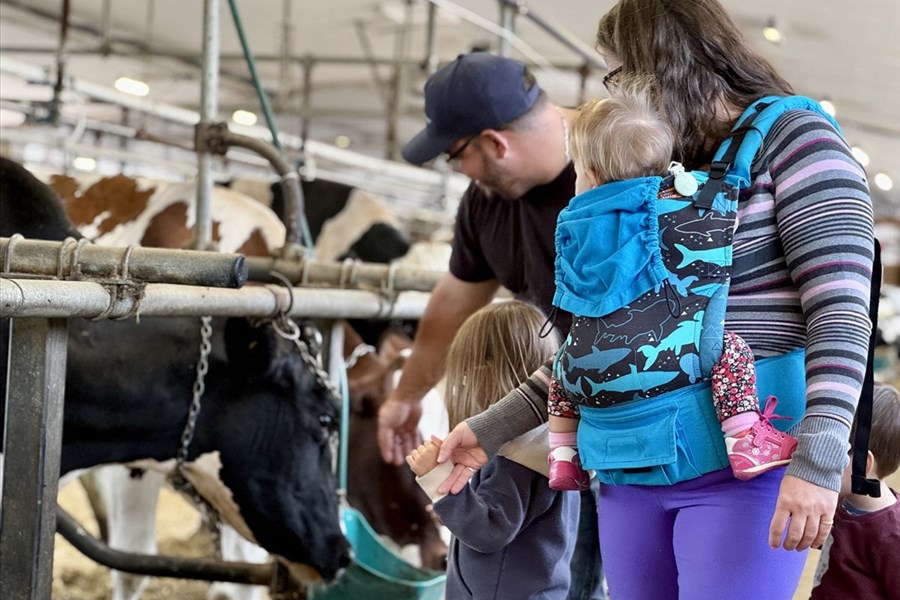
(626,137)
(863,560)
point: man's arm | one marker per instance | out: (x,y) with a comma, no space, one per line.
(451,303)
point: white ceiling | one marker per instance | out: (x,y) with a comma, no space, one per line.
(847,52)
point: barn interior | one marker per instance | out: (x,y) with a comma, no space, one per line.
(92,89)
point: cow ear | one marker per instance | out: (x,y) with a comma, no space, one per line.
(250,349)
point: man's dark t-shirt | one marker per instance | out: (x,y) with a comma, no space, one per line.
(513,241)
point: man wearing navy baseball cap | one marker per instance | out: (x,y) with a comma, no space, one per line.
(492,122)
(475,92)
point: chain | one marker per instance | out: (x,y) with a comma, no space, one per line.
(199,387)
(357,354)
(321,375)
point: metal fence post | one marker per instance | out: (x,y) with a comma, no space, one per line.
(32,445)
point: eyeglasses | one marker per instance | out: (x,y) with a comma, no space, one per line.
(452,156)
(608,78)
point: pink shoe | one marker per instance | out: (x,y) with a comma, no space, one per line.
(762,448)
(566,474)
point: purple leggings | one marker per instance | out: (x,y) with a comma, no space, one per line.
(706,538)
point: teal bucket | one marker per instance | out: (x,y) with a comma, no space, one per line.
(376,573)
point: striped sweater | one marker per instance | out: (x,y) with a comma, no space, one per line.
(804,244)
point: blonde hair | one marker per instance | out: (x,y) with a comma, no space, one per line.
(495,350)
(624,136)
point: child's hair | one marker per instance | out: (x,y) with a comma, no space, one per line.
(624,136)
(884,439)
(495,350)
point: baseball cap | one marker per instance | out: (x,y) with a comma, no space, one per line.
(477,91)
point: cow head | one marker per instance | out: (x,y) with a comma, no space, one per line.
(386,494)
(281,474)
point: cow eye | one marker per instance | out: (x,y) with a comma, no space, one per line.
(327,421)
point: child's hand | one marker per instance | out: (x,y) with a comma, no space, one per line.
(424,458)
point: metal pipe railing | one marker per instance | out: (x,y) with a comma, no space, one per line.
(347,274)
(136,264)
(49,298)
(76,259)
(204,569)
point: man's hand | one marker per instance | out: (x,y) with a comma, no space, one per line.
(424,458)
(462,447)
(810,510)
(398,429)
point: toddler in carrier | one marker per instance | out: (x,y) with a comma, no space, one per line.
(625,138)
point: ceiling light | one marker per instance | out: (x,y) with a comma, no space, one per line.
(772,33)
(828,107)
(342,141)
(84,163)
(884,182)
(132,86)
(860,155)
(244,117)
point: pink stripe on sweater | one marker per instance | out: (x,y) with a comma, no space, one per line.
(821,215)
(777,165)
(542,376)
(766,205)
(833,263)
(819,167)
(833,285)
(831,387)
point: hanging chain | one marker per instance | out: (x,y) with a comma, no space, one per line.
(199,387)
(358,352)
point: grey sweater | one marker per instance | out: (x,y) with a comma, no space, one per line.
(512,535)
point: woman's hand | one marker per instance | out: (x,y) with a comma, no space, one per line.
(810,511)
(461,446)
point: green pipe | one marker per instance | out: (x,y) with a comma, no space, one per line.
(263,97)
(267,109)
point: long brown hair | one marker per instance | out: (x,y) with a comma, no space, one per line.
(495,350)
(702,63)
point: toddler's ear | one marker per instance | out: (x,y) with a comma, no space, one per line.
(592,177)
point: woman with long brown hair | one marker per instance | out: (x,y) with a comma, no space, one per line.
(803,251)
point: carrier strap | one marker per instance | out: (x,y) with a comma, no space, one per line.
(859,484)
(737,151)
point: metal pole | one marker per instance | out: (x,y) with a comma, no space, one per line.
(568,40)
(208,111)
(306,110)
(118,264)
(398,85)
(507,22)
(43,298)
(106,17)
(284,64)
(31,449)
(342,275)
(61,57)
(431,57)
(204,569)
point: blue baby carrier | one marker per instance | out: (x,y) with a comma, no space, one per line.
(646,278)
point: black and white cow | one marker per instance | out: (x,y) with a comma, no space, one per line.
(128,388)
(345,222)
